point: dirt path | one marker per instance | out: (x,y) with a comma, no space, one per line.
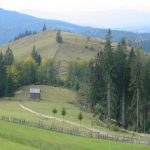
(59,119)
(78,125)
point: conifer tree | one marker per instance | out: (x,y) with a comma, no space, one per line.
(36,56)
(80,117)
(107,66)
(137,81)
(9,57)
(59,38)
(121,79)
(44,28)
(2,75)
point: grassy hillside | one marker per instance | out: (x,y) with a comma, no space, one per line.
(53,97)
(25,138)
(10,106)
(74,46)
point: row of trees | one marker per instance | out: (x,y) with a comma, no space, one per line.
(64,113)
(7,73)
(30,71)
(116,84)
(28,33)
(24,34)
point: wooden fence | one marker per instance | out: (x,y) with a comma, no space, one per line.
(90,134)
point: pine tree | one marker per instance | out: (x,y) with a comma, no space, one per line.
(121,79)
(36,56)
(146,103)
(63,113)
(137,81)
(2,75)
(52,71)
(80,117)
(9,57)
(97,83)
(54,111)
(59,37)
(44,28)
(107,66)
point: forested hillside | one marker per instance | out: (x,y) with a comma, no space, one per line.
(114,85)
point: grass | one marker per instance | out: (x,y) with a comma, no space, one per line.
(5,144)
(12,108)
(51,97)
(26,138)
(54,97)
(73,47)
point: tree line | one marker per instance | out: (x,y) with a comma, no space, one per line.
(30,71)
(28,33)
(24,34)
(116,85)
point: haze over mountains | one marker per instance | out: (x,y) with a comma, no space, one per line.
(12,23)
(121,19)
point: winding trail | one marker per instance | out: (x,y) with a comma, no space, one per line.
(59,119)
(141,141)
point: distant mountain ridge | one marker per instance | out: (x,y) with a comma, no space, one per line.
(12,23)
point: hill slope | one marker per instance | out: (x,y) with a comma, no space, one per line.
(26,138)
(74,46)
(12,23)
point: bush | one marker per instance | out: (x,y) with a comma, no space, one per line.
(113,127)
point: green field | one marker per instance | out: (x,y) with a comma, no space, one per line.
(53,97)
(17,135)
(13,136)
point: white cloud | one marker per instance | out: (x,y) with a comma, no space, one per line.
(75,5)
(99,13)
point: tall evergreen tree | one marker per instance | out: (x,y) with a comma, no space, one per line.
(52,71)
(36,56)
(107,66)
(121,80)
(137,81)
(97,82)
(146,102)
(59,38)
(9,57)
(2,75)
(44,28)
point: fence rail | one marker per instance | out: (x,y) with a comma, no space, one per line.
(90,134)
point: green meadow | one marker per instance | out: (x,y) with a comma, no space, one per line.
(14,136)
(53,97)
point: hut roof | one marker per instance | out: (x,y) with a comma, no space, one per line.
(37,91)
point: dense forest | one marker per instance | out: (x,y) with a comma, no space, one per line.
(115,84)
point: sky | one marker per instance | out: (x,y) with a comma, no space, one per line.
(98,13)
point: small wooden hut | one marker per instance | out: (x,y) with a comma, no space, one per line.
(35,93)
